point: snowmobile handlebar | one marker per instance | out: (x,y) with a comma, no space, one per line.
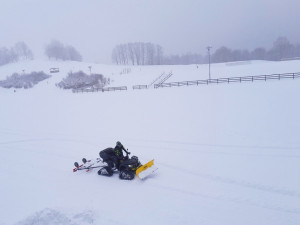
(127,152)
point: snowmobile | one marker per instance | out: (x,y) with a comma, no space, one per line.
(128,168)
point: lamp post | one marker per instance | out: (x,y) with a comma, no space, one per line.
(208,49)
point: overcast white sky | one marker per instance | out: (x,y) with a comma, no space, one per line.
(95,27)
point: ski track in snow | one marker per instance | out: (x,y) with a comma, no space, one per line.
(239,200)
(268,154)
(220,145)
(245,184)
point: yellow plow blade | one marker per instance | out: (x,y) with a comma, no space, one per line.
(146,170)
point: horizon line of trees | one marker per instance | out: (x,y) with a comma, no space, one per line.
(54,49)
(132,53)
(138,53)
(57,50)
(19,51)
(282,49)
(141,53)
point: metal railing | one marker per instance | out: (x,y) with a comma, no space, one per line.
(158,78)
(165,78)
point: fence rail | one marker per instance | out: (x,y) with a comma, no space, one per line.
(231,80)
(139,87)
(122,88)
(198,82)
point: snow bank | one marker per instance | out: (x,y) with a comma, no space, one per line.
(51,216)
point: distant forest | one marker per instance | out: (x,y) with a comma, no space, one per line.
(54,49)
(57,50)
(140,53)
(18,52)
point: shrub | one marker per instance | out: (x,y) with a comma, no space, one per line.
(79,80)
(24,81)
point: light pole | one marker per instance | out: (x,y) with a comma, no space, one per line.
(208,49)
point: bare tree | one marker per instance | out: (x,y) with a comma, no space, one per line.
(150,50)
(159,54)
(57,50)
(19,52)
(259,54)
(72,54)
(222,54)
(281,49)
(143,53)
(4,56)
(22,50)
(115,56)
(138,53)
(130,48)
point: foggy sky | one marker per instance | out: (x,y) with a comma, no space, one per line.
(95,27)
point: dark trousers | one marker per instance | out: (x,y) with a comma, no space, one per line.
(110,159)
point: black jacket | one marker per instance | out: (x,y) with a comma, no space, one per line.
(118,151)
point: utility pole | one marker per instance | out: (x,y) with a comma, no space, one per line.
(208,49)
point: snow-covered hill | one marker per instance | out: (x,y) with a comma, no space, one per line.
(227,154)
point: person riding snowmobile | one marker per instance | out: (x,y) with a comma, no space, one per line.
(118,151)
(113,156)
(108,156)
(113,161)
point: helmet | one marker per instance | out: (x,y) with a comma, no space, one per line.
(118,143)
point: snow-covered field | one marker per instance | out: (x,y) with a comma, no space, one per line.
(227,154)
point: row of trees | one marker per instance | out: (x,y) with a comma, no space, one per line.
(54,49)
(149,54)
(138,53)
(184,59)
(19,51)
(282,49)
(58,50)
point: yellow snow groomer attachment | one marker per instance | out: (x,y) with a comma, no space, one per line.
(145,170)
